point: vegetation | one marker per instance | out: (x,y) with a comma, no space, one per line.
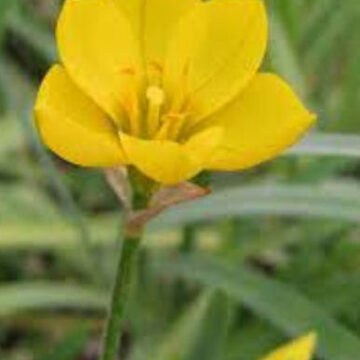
(272,254)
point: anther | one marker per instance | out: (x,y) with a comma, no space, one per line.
(155,73)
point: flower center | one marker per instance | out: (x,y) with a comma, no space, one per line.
(160,124)
(155,97)
(154,115)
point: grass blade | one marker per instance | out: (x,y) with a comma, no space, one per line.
(27,296)
(210,339)
(179,340)
(330,201)
(328,145)
(280,304)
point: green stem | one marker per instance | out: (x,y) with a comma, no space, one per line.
(123,280)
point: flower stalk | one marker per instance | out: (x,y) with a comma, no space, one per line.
(134,197)
(142,200)
(120,294)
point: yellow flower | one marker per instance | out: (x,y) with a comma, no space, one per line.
(168,86)
(300,349)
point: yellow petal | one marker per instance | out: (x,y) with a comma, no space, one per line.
(260,123)
(219,47)
(153,22)
(72,125)
(99,50)
(168,162)
(201,146)
(300,349)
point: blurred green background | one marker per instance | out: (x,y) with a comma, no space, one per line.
(273,253)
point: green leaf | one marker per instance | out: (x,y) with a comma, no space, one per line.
(29,296)
(316,20)
(253,340)
(209,341)
(199,333)
(350,109)
(23,93)
(325,41)
(272,300)
(5,7)
(181,337)
(339,201)
(70,347)
(37,36)
(53,234)
(10,137)
(319,144)
(283,57)
(19,202)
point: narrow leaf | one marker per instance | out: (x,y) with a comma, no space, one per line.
(19,297)
(329,201)
(328,145)
(277,302)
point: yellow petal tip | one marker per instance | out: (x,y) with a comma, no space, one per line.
(302,348)
(311,339)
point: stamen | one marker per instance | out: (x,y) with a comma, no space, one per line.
(174,122)
(155,73)
(163,131)
(156,98)
(131,101)
(171,127)
(181,97)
